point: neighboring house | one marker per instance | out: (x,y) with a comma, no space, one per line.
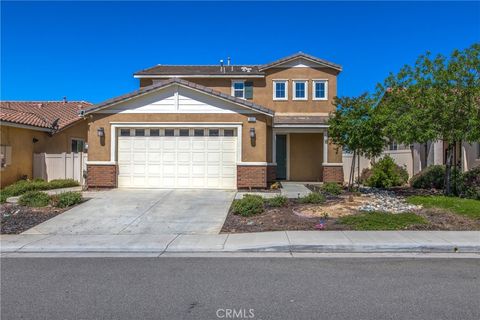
(420,156)
(224,126)
(29,127)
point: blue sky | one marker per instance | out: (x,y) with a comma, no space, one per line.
(89,51)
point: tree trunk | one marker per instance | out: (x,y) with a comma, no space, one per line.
(448,171)
(358,172)
(352,171)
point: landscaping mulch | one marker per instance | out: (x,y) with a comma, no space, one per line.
(276,219)
(441,219)
(17,219)
(309,215)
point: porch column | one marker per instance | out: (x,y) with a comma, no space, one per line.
(438,152)
(325,146)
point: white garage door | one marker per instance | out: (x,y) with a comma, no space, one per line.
(177,158)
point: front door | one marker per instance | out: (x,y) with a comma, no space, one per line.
(281,156)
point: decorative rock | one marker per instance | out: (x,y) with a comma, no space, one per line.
(385,201)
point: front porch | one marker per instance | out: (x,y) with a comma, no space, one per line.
(305,154)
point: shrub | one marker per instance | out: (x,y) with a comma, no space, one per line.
(313,197)
(277,201)
(22,186)
(249,205)
(331,188)
(431,177)
(67,199)
(365,175)
(62,183)
(386,173)
(470,184)
(34,199)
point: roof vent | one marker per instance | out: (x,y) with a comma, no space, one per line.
(65,100)
(221,66)
(246,69)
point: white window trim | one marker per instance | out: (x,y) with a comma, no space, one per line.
(275,89)
(233,88)
(294,91)
(314,82)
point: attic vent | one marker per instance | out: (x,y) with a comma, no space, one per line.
(246,69)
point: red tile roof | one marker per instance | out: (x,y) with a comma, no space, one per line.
(42,114)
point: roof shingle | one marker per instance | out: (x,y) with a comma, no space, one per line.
(42,114)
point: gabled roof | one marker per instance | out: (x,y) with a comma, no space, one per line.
(303,56)
(184,83)
(166,71)
(189,70)
(42,114)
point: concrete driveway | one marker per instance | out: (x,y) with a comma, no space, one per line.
(132,211)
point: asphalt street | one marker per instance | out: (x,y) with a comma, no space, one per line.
(240,288)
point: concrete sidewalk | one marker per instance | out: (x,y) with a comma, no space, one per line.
(280,241)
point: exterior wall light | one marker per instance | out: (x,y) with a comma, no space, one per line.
(252,133)
(101,132)
(252,137)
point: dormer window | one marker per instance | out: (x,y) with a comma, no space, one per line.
(280,90)
(238,89)
(320,89)
(300,90)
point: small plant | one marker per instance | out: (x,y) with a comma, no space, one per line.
(248,206)
(67,199)
(22,186)
(275,186)
(386,173)
(62,183)
(34,199)
(470,184)
(313,197)
(332,188)
(277,201)
(431,177)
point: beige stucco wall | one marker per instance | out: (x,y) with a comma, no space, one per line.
(99,149)
(23,148)
(61,141)
(263,88)
(306,155)
(22,153)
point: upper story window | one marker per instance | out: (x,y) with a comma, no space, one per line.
(320,89)
(238,89)
(393,145)
(300,90)
(280,90)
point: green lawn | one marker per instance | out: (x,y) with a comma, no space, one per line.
(465,207)
(382,221)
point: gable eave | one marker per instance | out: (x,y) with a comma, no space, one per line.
(145,91)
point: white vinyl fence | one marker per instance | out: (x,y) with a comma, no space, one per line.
(50,166)
(403,158)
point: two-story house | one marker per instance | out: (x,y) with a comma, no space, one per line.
(224,126)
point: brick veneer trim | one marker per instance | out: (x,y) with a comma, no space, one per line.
(333,174)
(101,176)
(271,173)
(252,177)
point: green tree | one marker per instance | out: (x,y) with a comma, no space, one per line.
(354,126)
(435,99)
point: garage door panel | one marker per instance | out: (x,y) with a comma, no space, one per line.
(169,156)
(177,162)
(183,157)
(198,144)
(213,157)
(169,144)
